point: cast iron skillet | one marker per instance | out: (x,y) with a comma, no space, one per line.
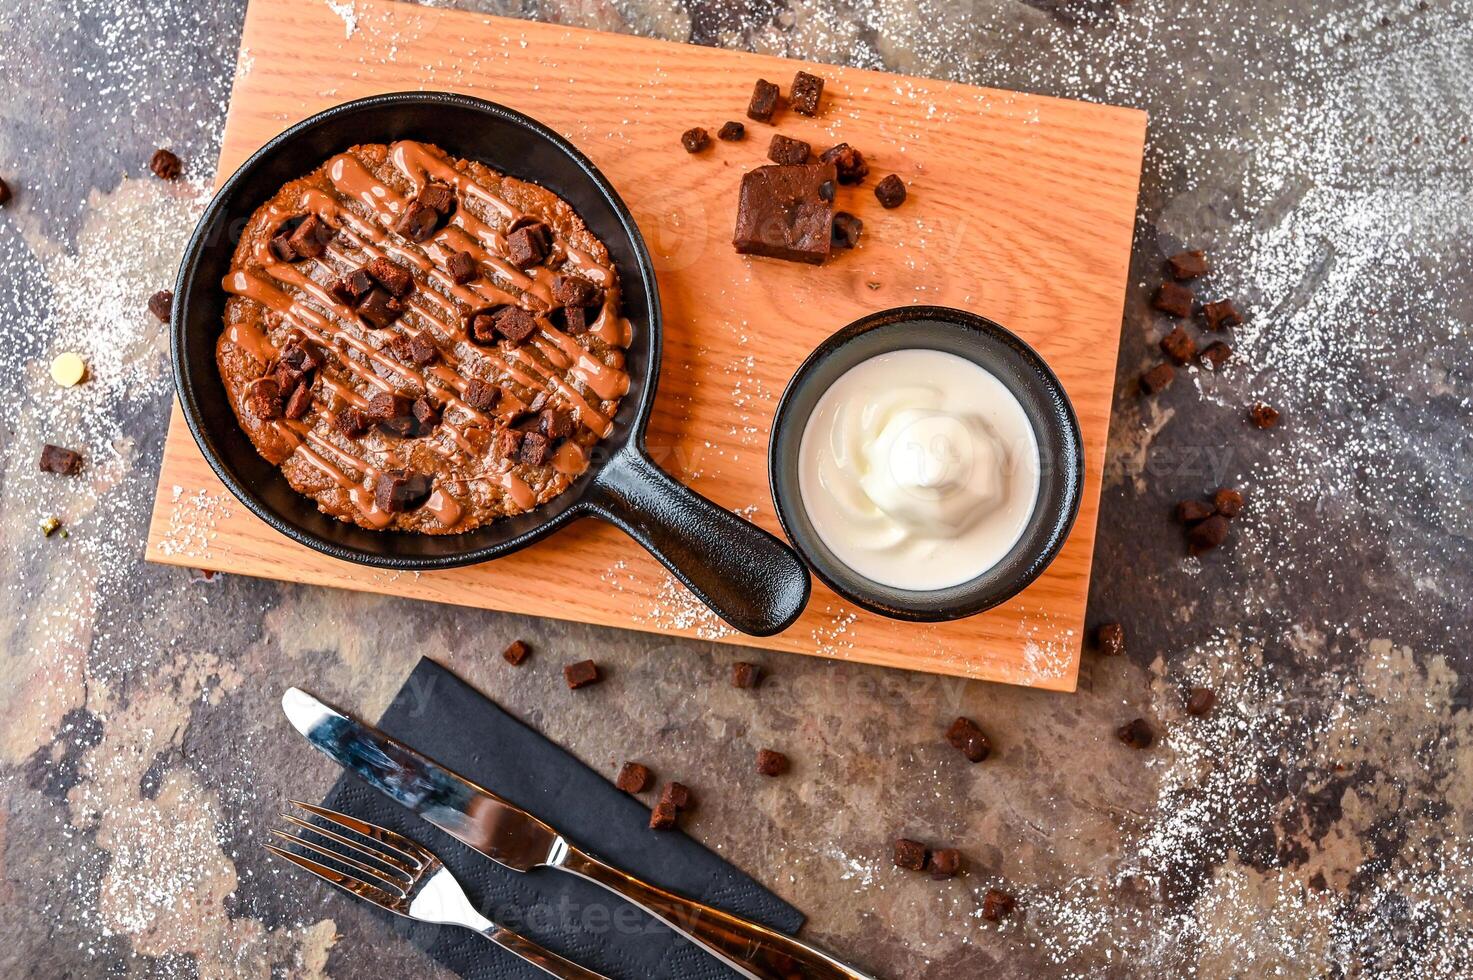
(750,578)
(1011,361)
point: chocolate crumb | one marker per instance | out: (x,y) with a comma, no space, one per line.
(1207,534)
(745,675)
(1200,700)
(1110,639)
(1136,734)
(771,762)
(1173,299)
(967,738)
(516,651)
(847,161)
(1264,416)
(910,854)
(1216,354)
(695,139)
(846,229)
(581,674)
(805,93)
(891,191)
(663,817)
(765,96)
(56,459)
(165,164)
(1179,346)
(161,305)
(996,904)
(731,132)
(1228,502)
(633,778)
(1188,265)
(677,795)
(1221,314)
(1192,511)
(786,150)
(1157,379)
(946,862)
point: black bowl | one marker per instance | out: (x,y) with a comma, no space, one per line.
(1011,361)
(749,577)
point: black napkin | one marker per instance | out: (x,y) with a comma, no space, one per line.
(449,721)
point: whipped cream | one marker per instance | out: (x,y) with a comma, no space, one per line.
(918,469)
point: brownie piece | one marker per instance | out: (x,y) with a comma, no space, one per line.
(161,305)
(351,288)
(281,247)
(846,230)
(731,132)
(786,150)
(780,213)
(848,161)
(1179,346)
(745,675)
(418,221)
(1173,299)
(1200,700)
(1137,734)
(352,422)
(529,244)
(805,92)
(890,191)
(516,651)
(480,395)
(401,490)
(1264,416)
(379,308)
(508,444)
(771,762)
(426,415)
(946,862)
(515,323)
(576,291)
(263,399)
(437,196)
(1208,534)
(1228,502)
(1215,355)
(1188,265)
(1221,314)
(910,854)
(299,402)
(695,139)
(1110,639)
(165,164)
(395,278)
(581,674)
(311,237)
(996,904)
(555,423)
(663,816)
(462,267)
(1192,511)
(536,448)
(764,101)
(967,738)
(633,778)
(1158,378)
(677,795)
(55,459)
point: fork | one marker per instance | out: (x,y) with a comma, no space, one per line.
(404,877)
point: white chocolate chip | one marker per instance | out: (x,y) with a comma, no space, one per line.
(68,369)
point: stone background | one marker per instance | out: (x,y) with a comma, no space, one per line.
(1315,824)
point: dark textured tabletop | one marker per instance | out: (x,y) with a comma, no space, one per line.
(1314,823)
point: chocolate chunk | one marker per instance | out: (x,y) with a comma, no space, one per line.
(281,247)
(1216,354)
(1221,314)
(1188,265)
(1173,299)
(536,448)
(663,817)
(437,196)
(422,350)
(1157,378)
(780,213)
(731,132)
(771,762)
(352,422)
(555,423)
(401,490)
(996,904)
(418,221)
(910,854)
(1208,534)
(846,229)
(481,325)
(786,150)
(379,308)
(385,405)
(581,674)
(287,377)
(967,738)
(352,287)
(528,244)
(1110,639)
(633,778)
(695,139)
(677,795)
(300,401)
(805,93)
(890,191)
(1179,346)
(311,237)
(263,398)
(765,96)
(1192,511)
(5,188)
(462,267)
(508,443)
(395,278)
(480,395)
(1137,734)
(165,164)
(745,675)
(576,291)
(571,320)
(161,305)
(1200,700)
(848,161)
(515,323)
(426,415)
(1228,502)
(1264,416)
(515,652)
(55,459)
(945,863)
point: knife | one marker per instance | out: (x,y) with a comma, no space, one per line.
(516,839)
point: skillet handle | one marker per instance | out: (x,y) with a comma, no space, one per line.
(748,577)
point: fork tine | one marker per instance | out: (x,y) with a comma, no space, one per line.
(411,851)
(365,873)
(337,879)
(393,863)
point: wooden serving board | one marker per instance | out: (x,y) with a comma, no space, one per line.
(1021,208)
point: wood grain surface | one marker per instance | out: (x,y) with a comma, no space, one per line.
(1021,208)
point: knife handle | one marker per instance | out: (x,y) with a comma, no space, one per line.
(751,949)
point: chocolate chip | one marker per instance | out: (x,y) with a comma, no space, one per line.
(765,96)
(847,161)
(515,323)
(555,423)
(1179,346)
(1192,511)
(395,278)
(480,395)
(1136,734)
(745,675)
(731,132)
(1264,416)
(967,738)
(1173,299)
(426,415)
(1200,700)
(528,244)
(996,904)
(945,863)
(805,93)
(1216,354)
(515,652)
(535,449)
(677,795)
(663,817)
(634,777)
(462,267)
(1221,314)
(401,490)
(1188,265)
(1158,378)
(1110,639)
(437,196)
(263,398)
(695,139)
(352,422)
(1208,534)
(846,229)
(379,308)
(1228,502)
(788,151)
(165,165)
(5,189)
(352,287)
(161,305)
(771,762)
(300,401)
(55,459)
(910,854)
(576,291)
(418,221)
(311,237)
(508,443)
(891,191)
